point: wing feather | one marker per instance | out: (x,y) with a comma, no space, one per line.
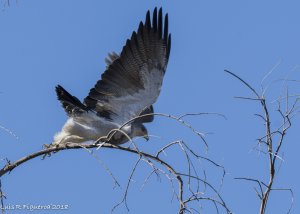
(132,81)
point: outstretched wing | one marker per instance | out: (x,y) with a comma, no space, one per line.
(133,79)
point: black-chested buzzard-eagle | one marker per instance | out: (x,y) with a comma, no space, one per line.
(128,88)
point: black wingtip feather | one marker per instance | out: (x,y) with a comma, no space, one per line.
(160,22)
(141,27)
(154,19)
(147,22)
(166,26)
(134,38)
(61,92)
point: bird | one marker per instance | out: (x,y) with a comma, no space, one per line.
(119,104)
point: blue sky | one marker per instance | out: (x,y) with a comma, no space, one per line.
(45,43)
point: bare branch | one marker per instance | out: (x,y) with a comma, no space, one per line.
(269,139)
(178,119)
(254,180)
(165,169)
(91,152)
(2,197)
(243,81)
(200,114)
(124,199)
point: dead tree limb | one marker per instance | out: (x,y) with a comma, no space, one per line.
(272,145)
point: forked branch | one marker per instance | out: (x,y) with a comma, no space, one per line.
(271,143)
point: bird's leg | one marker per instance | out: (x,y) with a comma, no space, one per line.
(49,146)
(62,142)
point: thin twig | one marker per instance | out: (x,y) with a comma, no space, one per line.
(2,197)
(124,199)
